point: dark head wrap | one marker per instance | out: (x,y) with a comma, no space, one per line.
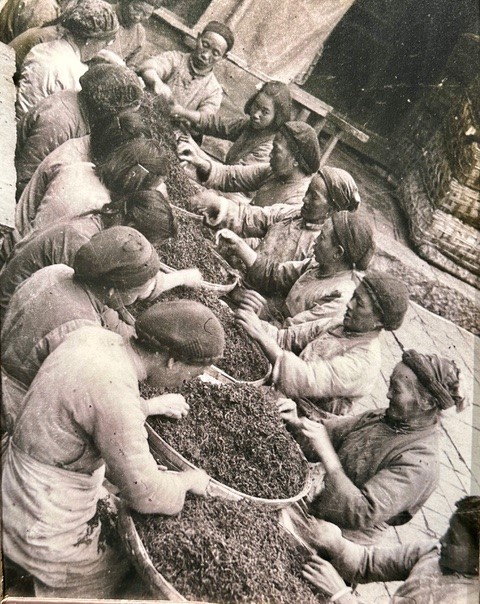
(222,30)
(188,330)
(303,143)
(91,19)
(342,189)
(117,257)
(151,214)
(281,98)
(355,235)
(109,89)
(439,376)
(389,296)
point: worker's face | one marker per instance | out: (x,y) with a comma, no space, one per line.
(459,552)
(326,249)
(130,296)
(174,374)
(262,112)
(282,161)
(403,394)
(316,208)
(209,50)
(361,315)
(136,12)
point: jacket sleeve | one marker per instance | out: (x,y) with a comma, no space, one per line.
(164,64)
(269,276)
(296,337)
(221,127)
(398,487)
(212,100)
(243,179)
(341,376)
(116,424)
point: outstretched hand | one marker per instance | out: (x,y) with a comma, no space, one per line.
(323,576)
(169,405)
(288,411)
(250,323)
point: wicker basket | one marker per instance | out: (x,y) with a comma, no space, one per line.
(223,376)
(158,585)
(463,202)
(174,461)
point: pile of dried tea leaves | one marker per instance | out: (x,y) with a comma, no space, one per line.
(235,433)
(226,552)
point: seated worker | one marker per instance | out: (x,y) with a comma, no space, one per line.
(380,466)
(106,91)
(316,290)
(294,157)
(441,572)
(82,413)
(58,65)
(188,79)
(130,39)
(337,363)
(267,110)
(147,211)
(286,232)
(113,270)
(138,165)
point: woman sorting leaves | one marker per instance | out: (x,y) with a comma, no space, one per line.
(267,110)
(83,413)
(380,466)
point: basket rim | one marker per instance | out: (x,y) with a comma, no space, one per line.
(220,487)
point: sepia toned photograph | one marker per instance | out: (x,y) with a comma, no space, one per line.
(239,301)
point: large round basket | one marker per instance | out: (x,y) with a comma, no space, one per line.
(175,461)
(222,376)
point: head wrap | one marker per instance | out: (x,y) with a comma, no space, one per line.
(117,257)
(303,143)
(109,89)
(389,296)
(355,235)
(439,376)
(152,215)
(342,189)
(281,98)
(188,330)
(222,30)
(91,19)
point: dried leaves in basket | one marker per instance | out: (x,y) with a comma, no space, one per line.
(243,359)
(192,247)
(236,435)
(226,552)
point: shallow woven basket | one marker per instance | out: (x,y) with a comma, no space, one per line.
(158,585)
(218,288)
(175,461)
(223,376)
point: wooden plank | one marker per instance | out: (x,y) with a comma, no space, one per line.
(331,144)
(303,114)
(342,123)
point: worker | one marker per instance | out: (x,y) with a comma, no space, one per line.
(58,65)
(188,79)
(380,466)
(17,16)
(82,413)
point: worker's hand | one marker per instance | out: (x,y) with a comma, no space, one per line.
(316,434)
(189,152)
(162,90)
(213,207)
(250,323)
(197,481)
(168,405)
(191,277)
(288,411)
(323,576)
(227,239)
(249,299)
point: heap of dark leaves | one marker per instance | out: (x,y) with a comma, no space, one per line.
(226,552)
(243,359)
(236,435)
(156,114)
(193,247)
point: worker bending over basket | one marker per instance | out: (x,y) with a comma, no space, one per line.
(82,413)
